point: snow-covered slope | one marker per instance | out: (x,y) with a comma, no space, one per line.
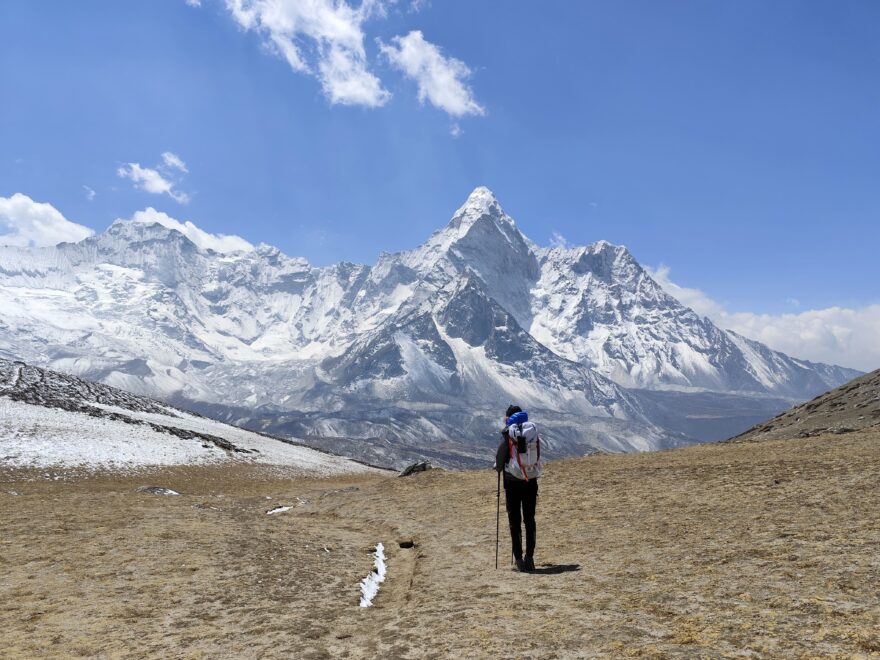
(454,329)
(48,419)
(598,306)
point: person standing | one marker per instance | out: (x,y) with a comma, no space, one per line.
(519,459)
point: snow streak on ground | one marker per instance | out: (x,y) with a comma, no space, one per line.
(370,584)
(278,509)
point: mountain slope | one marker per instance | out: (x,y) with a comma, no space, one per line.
(854,406)
(598,306)
(48,419)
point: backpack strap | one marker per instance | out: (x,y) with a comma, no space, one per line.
(513,451)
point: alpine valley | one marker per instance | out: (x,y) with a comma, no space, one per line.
(413,357)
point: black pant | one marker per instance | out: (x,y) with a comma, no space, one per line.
(521,495)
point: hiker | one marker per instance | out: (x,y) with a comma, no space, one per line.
(519,459)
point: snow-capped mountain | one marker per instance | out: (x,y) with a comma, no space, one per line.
(425,341)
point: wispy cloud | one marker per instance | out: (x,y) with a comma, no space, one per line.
(203,239)
(557,240)
(90,193)
(440,79)
(26,223)
(173,161)
(158,181)
(194,3)
(836,335)
(324,38)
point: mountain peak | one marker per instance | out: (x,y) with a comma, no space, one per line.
(480,208)
(479,203)
(483,199)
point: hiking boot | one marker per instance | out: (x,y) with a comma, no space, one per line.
(529,565)
(520,565)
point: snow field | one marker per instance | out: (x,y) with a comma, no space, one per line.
(35,436)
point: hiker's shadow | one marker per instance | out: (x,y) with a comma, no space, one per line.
(556,569)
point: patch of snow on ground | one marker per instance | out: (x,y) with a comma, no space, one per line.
(278,509)
(370,584)
(269,451)
(41,437)
(36,436)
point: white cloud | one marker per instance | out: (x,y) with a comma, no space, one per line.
(203,239)
(455,130)
(693,298)
(835,335)
(90,193)
(327,31)
(26,223)
(440,79)
(194,3)
(557,240)
(173,161)
(160,180)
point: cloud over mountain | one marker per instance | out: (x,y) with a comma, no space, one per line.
(26,223)
(840,335)
(203,239)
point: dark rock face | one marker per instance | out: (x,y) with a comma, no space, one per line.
(469,315)
(379,359)
(421,466)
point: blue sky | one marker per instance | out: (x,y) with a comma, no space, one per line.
(735,143)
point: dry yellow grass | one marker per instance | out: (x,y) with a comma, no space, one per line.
(762,549)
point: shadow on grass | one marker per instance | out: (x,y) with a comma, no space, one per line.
(556,569)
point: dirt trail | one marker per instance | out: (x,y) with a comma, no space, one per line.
(764,549)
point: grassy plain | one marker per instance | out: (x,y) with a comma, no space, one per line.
(761,549)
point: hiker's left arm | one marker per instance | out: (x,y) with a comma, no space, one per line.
(501,455)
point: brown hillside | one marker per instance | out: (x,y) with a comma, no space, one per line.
(731,550)
(851,407)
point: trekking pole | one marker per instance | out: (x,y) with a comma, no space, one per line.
(497,518)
